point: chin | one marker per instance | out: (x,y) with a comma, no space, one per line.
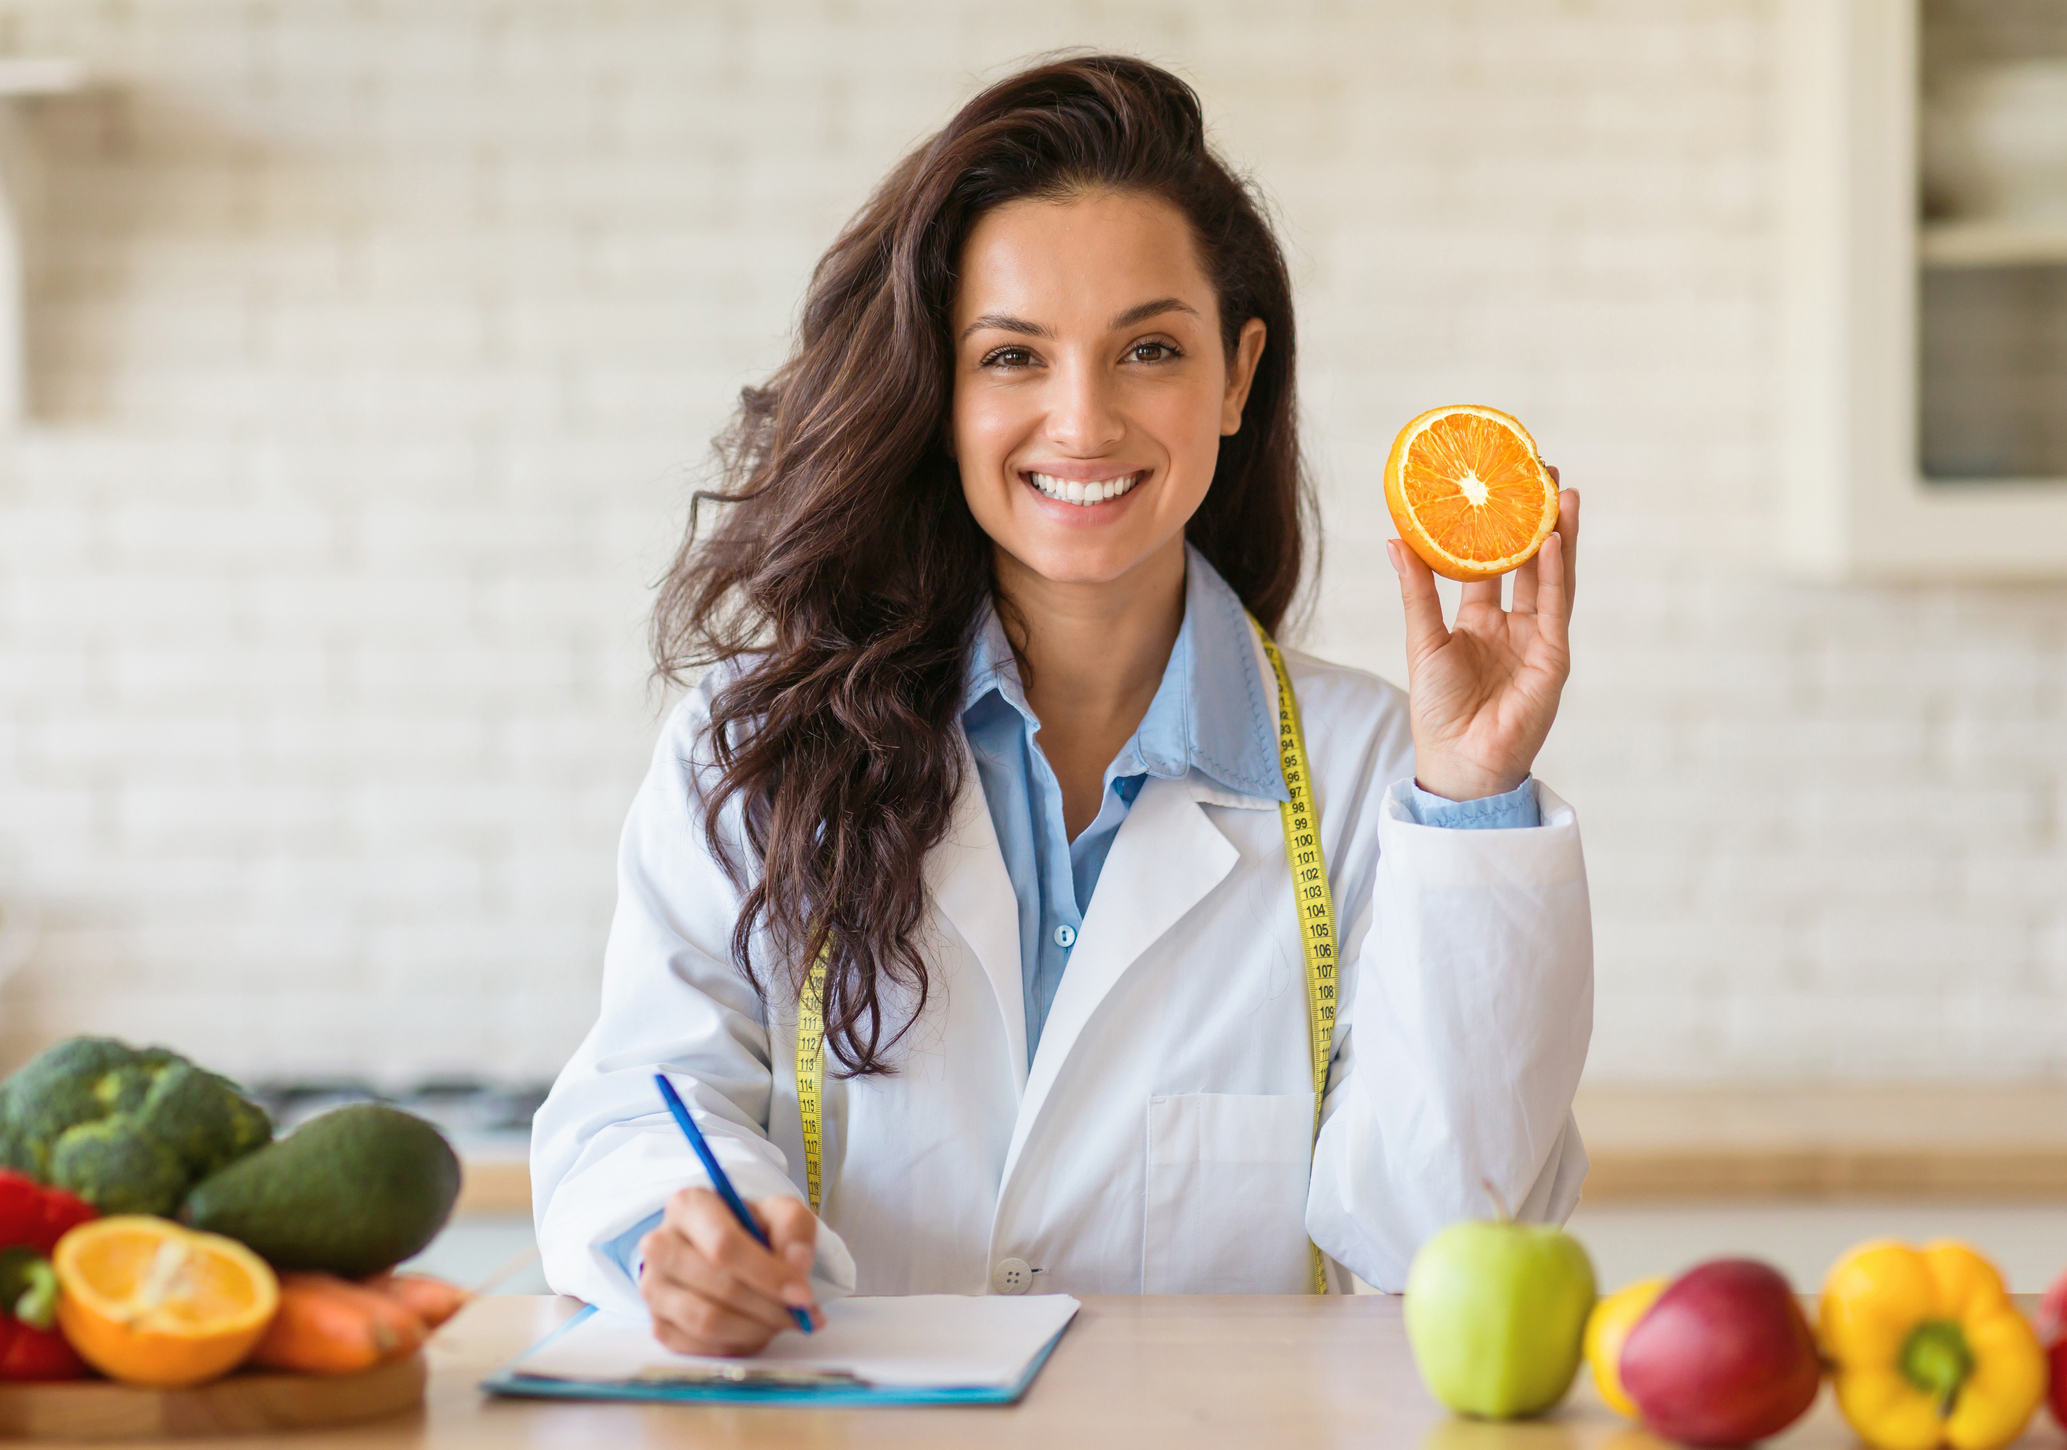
(1083,561)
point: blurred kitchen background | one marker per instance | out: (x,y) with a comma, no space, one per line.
(368,351)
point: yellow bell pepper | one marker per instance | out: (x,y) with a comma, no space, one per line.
(1926,1349)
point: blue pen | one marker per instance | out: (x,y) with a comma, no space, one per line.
(718,1179)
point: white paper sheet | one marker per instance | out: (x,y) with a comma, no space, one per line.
(929,1341)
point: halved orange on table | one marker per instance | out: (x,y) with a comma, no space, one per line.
(1468,491)
(148,1302)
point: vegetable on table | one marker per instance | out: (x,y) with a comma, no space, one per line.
(129,1130)
(430,1299)
(1927,1350)
(350,1192)
(32,1219)
(328,1325)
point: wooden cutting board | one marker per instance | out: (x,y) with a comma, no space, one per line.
(240,1404)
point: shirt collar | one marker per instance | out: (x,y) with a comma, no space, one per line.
(1211,712)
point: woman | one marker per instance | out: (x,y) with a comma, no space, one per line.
(988,776)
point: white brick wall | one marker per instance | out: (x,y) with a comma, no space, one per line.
(378,341)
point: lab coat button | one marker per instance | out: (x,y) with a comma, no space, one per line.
(1012,1276)
(1065,936)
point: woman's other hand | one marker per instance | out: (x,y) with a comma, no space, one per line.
(712,1289)
(1484,691)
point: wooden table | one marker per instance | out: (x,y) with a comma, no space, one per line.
(1192,1373)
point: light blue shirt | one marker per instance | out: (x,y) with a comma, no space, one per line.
(1212,712)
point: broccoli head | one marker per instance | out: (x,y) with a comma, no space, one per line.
(119,1167)
(204,1118)
(128,1130)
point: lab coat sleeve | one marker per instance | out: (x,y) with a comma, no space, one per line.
(605,1155)
(1468,1007)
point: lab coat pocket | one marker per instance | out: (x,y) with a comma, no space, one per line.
(1226,1208)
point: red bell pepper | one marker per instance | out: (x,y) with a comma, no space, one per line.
(32,1219)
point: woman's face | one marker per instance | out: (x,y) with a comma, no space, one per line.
(1091,388)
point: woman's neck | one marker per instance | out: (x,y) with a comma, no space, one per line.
(1091,657)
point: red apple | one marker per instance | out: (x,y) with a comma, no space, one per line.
(2052,1332)
(1724,1357)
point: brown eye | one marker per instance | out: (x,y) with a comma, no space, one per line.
(1152,352)
(1008,357)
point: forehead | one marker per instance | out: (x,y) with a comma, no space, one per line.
(1084,259)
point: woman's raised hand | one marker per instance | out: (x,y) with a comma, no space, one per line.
(712,1289)
(1484,691)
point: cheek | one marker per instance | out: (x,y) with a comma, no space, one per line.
(987,422)
(1186,421)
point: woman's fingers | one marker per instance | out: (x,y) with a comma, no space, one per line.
(685,1266)
(1554,599)
(1424,607)
(1524,600)
(703,1218)
(1480,592)
(691,1322)
(1568,531)
(715,1288)
(1525,578)
(793,1234)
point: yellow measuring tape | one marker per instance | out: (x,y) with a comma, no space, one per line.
(811,1073)
(1311,899)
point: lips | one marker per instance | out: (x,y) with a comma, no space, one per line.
(1084,492)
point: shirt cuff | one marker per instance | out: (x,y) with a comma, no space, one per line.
(1516,810)
(624,1249)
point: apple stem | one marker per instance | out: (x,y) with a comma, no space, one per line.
(1499,1203)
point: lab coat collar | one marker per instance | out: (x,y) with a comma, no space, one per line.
(966,877)
(1215,712)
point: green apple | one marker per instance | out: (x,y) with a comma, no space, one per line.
(1496,1313)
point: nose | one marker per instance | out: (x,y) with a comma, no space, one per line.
(1084,416)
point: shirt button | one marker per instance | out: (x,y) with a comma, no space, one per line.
(1065,936)
(1012,1276)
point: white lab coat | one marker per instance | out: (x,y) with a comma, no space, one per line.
(1160,1140)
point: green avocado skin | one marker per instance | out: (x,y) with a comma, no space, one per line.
(352,1192)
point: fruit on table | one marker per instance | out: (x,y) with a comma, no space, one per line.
(127,1129)
(328,1325)
(1606,1329)
(1495,1312)
(151,1303)
(32,1220)
(1722,1357)
(1927,1350)
(1468,491)
(352,1192)
(2052,1333)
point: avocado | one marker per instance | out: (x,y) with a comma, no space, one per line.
(351,1192)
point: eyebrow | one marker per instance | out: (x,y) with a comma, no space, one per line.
(1005,322)
(1151,309)
(1141,312)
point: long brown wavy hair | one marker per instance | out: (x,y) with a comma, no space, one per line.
(844,574)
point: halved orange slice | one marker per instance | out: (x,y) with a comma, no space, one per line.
(148,1302)
(1468,491)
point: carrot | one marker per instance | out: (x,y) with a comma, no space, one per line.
(327,1325)
(430,1299)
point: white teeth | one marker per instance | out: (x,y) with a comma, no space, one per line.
(1077,492)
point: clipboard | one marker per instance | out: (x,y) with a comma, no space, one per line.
(682,1380)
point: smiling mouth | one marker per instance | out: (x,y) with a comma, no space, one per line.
(1082,491)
